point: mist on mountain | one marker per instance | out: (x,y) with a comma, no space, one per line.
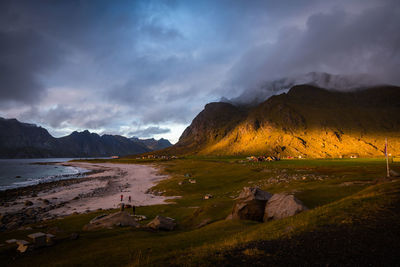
(349,82)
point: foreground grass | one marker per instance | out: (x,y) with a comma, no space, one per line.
(339,192)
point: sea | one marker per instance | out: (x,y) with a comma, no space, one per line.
(16,173)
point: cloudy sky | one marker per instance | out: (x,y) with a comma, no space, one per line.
(146,68)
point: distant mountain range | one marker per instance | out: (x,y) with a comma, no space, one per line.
(307,121)
(23,140)
(152,143)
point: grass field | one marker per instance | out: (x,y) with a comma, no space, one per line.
(338,192)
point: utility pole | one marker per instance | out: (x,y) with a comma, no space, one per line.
(387,160)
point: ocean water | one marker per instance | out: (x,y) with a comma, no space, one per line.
(16,173)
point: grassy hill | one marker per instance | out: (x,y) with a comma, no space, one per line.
(353,219)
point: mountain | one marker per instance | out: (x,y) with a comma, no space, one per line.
(258,94)
(23,140)
(152,143)
(88,144)
(306,121)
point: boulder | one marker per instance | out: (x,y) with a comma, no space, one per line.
(121,218)
(23,246)
(281,206)
(139,217)
(28,203)
(50,239)
(162,223)
(30,212)
(38,239)
(98,217)
(208,196)
(250,204)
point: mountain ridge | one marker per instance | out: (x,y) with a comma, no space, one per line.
(307,121)
(152,143)
(24,140)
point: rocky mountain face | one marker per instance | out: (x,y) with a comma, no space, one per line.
(152,143)
(22,140)
(91,144)
(18,138)
(307,121)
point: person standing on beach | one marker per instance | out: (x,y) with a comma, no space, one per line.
(122,197)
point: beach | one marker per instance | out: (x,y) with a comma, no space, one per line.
(100,189)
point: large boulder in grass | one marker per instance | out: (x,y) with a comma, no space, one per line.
(250,204)
(281,206)
(120,218)
(162,223)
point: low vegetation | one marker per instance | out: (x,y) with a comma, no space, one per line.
(339,192)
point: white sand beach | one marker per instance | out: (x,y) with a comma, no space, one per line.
(102,190)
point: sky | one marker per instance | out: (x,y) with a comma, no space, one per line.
(147,68)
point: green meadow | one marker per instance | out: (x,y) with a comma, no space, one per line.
(336,191)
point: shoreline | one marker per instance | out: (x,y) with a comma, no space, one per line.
(23,173)
(101,188)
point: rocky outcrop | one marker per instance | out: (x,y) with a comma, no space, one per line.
(121,218)
(38,240)
(250,204)
(14,220)
(23,246)
(210,125)
(280,206)
(162,223)
(258,205)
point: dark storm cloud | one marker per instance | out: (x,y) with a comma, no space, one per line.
(65,116)
(24,55)
(160,62)
(334,41)
(149,131)
(38,36)
(157,89)
(32,35)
